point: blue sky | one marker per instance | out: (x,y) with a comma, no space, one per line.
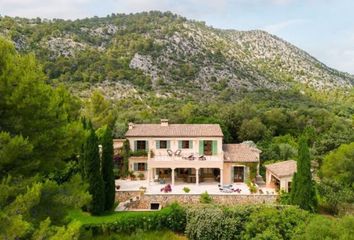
(324,28)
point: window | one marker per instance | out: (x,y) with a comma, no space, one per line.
(140,145)
(141,166)
(163,144)
(185,144)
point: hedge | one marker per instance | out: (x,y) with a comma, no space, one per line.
(172,218)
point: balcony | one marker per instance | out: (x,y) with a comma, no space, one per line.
(166,161)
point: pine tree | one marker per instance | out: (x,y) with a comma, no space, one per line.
(93,173)
(107,168)
(303,192)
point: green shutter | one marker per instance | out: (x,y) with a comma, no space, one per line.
(135,145)
(157,144)
(147,145)
(135,167)
(180,144)
(201,147)
(146,166)
(246,169)
(168,144)
(190,144)
(214,148)
(232,174)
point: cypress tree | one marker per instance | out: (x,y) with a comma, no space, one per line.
(126,155)
(93,173)
(303,192)
(107,168)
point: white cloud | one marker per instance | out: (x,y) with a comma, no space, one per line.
(46,9)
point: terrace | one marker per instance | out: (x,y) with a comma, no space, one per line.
(177,188)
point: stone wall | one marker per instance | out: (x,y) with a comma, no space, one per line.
(165,199)
(122,196)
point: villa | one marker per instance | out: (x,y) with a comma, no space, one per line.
(189,153)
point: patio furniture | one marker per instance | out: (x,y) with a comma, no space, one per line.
(169,152)
(191,178)
(162,181)
(202,158)
(178,153)
(190,157)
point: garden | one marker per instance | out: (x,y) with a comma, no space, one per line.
(209,221)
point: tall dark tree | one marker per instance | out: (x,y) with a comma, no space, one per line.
(125,155)
(303,191)
(93,173)
(107,168)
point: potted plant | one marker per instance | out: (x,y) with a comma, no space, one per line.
(132,175)
(186,189)
(141,176)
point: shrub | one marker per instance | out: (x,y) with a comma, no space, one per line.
(172,217)
(252,187)
(205,198)
(186,189)
(284,198)
(215,222)
(320,227)
(141,176)
(138,153)
(275,223)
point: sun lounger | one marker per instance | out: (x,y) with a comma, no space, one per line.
(169,152)
(178,153)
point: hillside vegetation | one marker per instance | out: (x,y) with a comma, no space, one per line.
(166,54)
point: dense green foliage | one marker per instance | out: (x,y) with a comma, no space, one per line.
(244,222)
(303,192)
(172,218)
(93,174)
(40,133)
(139,235)
(326,228)
(337,186)
(107,168)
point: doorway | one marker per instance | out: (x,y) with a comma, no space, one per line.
(239,174)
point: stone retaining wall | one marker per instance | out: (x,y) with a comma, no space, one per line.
(122,196)
(165,199)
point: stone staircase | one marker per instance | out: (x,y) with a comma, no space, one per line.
(124,206)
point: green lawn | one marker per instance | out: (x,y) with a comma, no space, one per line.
(86,218)
(140,235)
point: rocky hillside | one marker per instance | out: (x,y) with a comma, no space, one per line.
(167,55)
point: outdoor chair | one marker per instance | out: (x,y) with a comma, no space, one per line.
(169,152)
(178,153)
(202,158)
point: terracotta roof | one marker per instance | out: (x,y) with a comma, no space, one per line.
(240,153)
(282,169)
(175,130)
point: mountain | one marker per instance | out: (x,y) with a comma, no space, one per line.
(167,55)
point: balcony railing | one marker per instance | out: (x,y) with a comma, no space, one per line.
(188,158)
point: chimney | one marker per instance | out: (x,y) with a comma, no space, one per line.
(164,122)
(130,125)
